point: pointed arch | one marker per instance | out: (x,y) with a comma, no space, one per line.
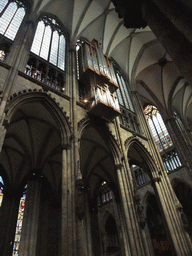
(52,107)
(143,152)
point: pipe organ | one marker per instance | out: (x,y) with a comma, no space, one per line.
(98,78)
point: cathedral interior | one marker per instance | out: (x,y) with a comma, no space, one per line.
(95,128)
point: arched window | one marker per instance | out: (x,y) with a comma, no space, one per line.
(162,138)
(1,190)
(12,13)
(49,42)
(19,222)
(159,131)
(123,92)
(105,194)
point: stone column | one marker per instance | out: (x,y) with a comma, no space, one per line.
(167,203)
(88,227)
(3,131)
(68,222)
(20,49)
(134,244)
(165,195)
(8,219)
(28,241)
(16,59)
(80,216)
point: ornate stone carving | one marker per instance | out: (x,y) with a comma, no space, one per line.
(80,199)
(183,216)
(81,123)
(6,123)
(140,209)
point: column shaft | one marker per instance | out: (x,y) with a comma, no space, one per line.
(28,242)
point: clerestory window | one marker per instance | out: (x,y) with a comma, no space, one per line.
(12,13)
(123,93)
(158,128)
(49,42)
(162,138)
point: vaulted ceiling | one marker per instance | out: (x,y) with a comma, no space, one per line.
(141,57)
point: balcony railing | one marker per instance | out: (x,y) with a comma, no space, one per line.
(171,161)
(44,72)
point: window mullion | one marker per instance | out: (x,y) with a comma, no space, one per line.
(42,39)
(2,12)
(50,45)
(11,21)
(163,130)
(58,48)
(157,133)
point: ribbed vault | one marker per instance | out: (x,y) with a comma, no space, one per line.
(32,146)
(141,57)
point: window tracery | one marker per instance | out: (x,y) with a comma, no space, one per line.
(162,138)
(47,59)
(158,129)
(49,42)
(12,13)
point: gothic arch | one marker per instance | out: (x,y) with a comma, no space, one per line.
(109,139)
(52,107)
(105,217)
(142,152)
(176,180)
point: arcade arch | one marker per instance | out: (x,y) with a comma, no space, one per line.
(32,154)
(98,170)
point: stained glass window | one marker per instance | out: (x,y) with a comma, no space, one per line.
(19,223)
(12,13)
(49,42)
(1,190)
(158,128)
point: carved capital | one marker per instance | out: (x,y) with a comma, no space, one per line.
(118,166)
(156,179)
(66,146)
(6,123)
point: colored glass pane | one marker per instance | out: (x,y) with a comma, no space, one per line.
(19,223)
(158,128)
(1,190)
